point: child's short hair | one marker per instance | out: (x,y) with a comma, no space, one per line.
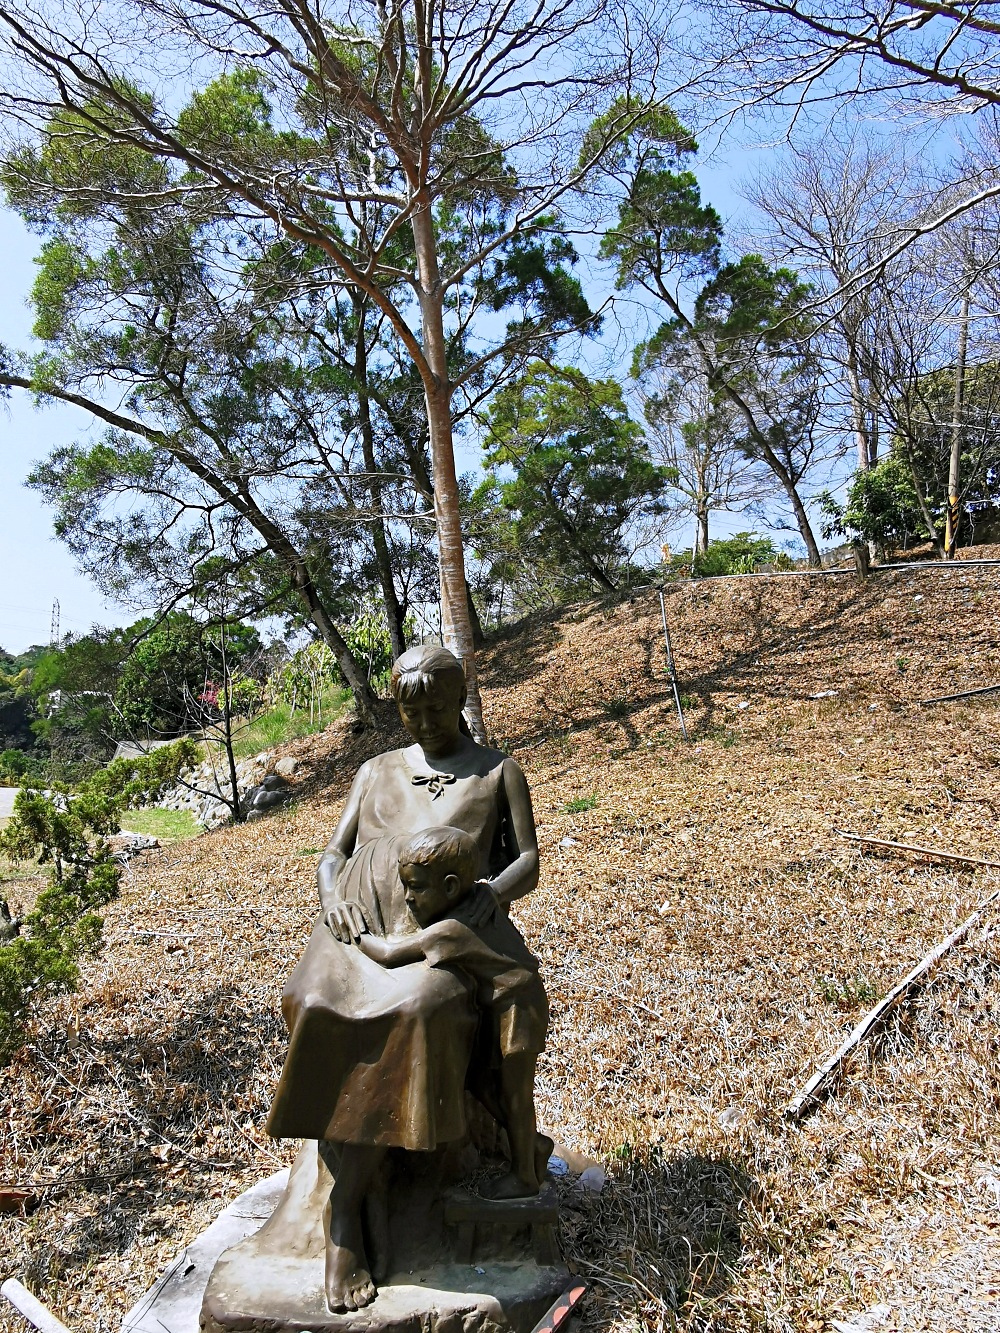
(454,850)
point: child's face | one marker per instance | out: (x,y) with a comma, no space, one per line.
(429,892)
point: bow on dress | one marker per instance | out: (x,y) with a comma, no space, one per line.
(434,782)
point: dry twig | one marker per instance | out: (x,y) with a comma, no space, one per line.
(810,1095)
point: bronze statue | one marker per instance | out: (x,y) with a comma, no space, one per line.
(415,984)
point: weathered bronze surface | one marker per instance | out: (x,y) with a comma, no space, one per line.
(415,989)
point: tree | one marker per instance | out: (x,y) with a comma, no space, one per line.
(349,128)
(581,470)
(881,507)
(697,438)
(929,431)
(747,323)
(834,210)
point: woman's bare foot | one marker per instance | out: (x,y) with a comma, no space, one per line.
(349,1284)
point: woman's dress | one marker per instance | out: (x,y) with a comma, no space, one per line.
(379,1055)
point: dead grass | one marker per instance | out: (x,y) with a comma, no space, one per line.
(706,940)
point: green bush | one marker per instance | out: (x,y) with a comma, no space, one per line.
(17,766)
(881,507)
(68,830)
(742,553)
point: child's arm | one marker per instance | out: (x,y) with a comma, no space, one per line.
(392,953)
(405,949)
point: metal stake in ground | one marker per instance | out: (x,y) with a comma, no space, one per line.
(671,669)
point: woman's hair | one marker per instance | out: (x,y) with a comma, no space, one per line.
(420,668)
(450,850)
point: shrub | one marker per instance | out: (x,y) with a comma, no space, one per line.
(742,553)
(68,830)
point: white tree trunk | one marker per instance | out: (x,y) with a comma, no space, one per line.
(456,625)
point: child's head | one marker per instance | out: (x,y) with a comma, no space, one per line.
(438,867)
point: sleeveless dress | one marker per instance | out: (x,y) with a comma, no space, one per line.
(379,1055)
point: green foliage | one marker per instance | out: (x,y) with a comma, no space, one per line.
(165,825)
(742,553)
(68,830)
(581,471)
(579,805)
(847,993)
(367,636)
(17,766)
(881,506)
(174,671)
(281,722)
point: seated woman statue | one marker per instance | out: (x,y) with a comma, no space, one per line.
(380,1053)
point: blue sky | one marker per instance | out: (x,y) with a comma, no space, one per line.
(38,568)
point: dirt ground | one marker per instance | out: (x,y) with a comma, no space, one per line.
(706,937)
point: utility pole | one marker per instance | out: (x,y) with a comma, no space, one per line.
(958,405)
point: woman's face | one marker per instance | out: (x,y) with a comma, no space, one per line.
(432,715)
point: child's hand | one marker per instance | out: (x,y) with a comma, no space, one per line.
(480,906)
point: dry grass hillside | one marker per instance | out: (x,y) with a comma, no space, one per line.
(706,939)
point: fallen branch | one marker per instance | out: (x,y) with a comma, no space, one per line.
(811,1094)
(965,694)
(935,853)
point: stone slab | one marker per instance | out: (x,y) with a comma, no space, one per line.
(287,1297)
(173,1303)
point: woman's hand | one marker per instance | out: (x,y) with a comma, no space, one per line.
(347,921)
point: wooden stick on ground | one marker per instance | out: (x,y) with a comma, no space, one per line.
(33,1310)
(965,694)
(810,1095)
(935,853)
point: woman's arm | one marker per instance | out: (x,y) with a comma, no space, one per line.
(520,876)
(346,920)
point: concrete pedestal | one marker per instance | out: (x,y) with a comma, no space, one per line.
(459,1263)
(173,1303)
(500,1270)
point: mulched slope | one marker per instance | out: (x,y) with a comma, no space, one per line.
(706,939)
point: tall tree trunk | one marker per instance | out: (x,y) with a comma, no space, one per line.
(456,624)
(955,457)
(863,445)
(394,614)
(702,516)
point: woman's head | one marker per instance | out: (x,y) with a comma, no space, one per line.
(428,685)
(426,669)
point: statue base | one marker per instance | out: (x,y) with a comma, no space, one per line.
(287,1297)
(459,1263)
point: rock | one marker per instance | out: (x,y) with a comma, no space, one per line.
(286,766)
(275,782)
(593,1179)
